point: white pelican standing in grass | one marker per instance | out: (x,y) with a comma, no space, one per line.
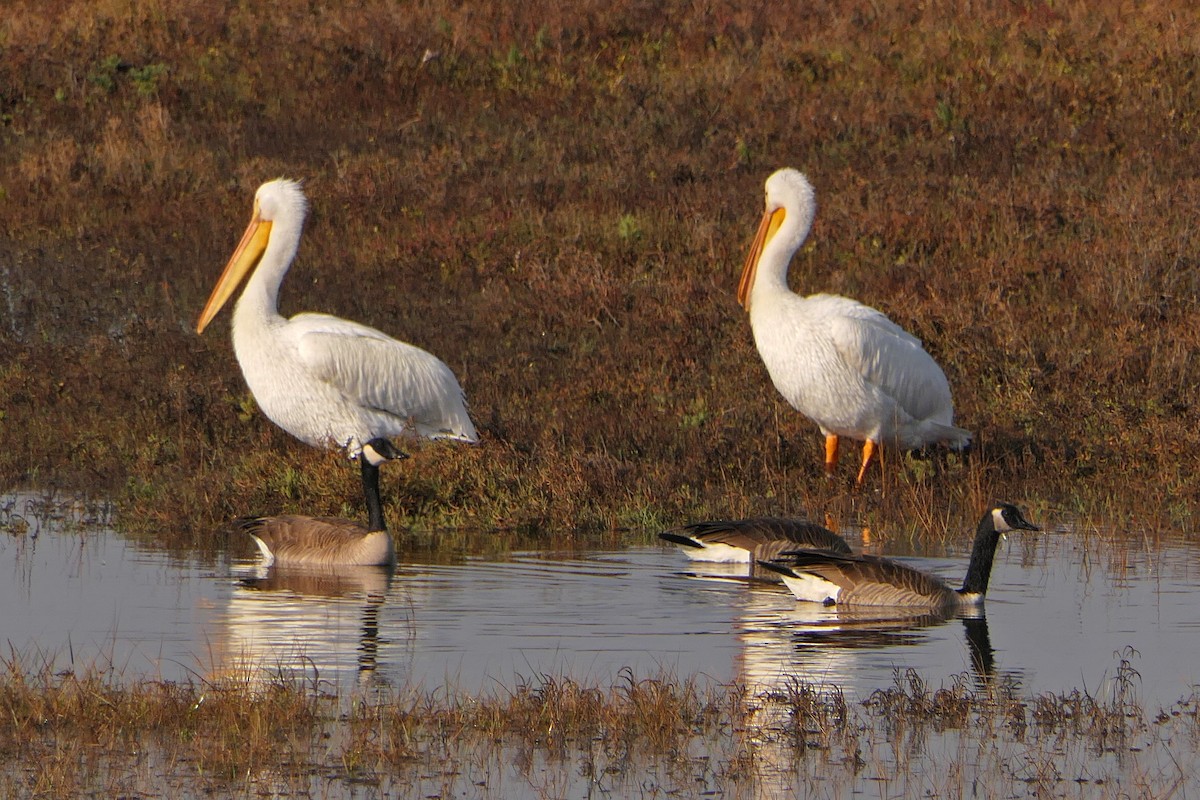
(328,381)
(842,364)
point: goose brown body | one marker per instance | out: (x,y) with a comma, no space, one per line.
(865,580)
(318,541)
(749,540)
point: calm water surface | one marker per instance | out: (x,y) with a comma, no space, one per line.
(1061,613)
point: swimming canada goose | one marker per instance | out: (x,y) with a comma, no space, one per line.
(750,540)
(842,364)
(292,540)
(331,541)
(863,580)
(327,381)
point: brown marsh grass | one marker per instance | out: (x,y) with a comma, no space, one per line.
(94,732)
(557,202)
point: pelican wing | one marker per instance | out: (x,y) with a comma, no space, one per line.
(392,377)
(835,306)
(893,361)
(871,580)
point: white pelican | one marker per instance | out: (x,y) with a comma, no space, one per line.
(751,540)
(842,364)
(831,578)
(328,381)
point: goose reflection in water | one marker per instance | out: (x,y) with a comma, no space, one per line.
(320,624)
(792,654)
(824,645)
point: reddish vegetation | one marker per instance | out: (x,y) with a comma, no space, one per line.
(557,204)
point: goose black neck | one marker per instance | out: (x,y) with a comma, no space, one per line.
(979,571)
(370,482)
(979,644)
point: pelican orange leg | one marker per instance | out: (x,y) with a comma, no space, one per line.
(831,454)
(870,450)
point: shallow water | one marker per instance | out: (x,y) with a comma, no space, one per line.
(1062,612)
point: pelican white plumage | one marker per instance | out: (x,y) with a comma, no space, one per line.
(327,381)
(842,364)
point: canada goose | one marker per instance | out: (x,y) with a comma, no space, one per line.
(293,540)
(331,541)
(842,364)
(750,540)
(863,580)
(327,381)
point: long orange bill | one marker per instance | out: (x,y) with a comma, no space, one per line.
(244,259)
(766,229)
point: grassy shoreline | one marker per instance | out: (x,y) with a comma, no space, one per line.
(557,205)
(74,734)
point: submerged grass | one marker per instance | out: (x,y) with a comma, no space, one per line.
(557,204)
(90,732)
